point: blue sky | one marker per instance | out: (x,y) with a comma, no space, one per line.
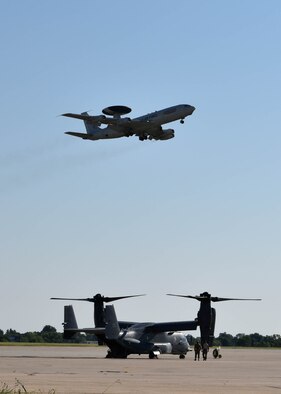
(199,212)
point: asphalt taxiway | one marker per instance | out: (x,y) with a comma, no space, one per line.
(84,370)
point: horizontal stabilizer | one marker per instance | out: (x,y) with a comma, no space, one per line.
(80,135)
(90,330)
(77,116)
(86,117)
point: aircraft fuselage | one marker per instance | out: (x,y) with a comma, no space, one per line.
(135,340)
(168,115)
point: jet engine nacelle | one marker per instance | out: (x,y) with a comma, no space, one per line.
(167,134)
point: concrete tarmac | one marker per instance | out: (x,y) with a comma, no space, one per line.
(84,370)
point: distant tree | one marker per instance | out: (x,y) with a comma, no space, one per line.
(243,340)
(50,334)
(216,342)
(225,339)
(275,340)
(12,335)
(80,338)
(257,339)
(48,328)
(31,337)
(77,338)
(91,338)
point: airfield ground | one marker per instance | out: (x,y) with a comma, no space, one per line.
(85,370)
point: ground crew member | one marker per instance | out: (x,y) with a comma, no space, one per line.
(205,350)
(197,349)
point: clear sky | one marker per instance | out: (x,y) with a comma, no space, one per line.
(200,212)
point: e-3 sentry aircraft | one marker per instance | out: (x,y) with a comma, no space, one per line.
(145,127)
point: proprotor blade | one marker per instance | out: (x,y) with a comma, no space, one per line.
(73,299)
(199,298)
(111,299)
(218,299)
(98,298)
(207,296)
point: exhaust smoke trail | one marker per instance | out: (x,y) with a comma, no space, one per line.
(41,163)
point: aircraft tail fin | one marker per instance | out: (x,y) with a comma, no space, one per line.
(112,328)
(91,126)
(70,323)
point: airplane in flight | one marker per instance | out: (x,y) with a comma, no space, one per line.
(126,337)
(144,127)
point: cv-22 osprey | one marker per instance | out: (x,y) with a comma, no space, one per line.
(144,127)
(125,337)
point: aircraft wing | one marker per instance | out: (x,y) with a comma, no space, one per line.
(172,326)
(84,136)
(139,128)
(126,324)
(152,131)
(149,129)
(98,330)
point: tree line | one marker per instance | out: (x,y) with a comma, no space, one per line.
(49,334)
(244,340)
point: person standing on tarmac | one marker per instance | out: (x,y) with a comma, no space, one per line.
(205,350)
(197,349)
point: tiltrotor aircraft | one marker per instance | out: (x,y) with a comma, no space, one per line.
(124,337)
(145,127)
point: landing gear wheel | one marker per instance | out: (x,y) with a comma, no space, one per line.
(182,121)
(182,356)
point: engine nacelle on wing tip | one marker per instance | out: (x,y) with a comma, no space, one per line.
(167,134)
